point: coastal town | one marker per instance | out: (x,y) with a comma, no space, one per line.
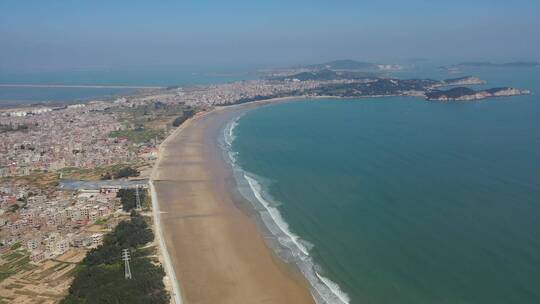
(113,142)
(75,136)
(43,148)
(47,227)
(96,135)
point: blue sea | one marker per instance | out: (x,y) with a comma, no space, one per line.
(399,200)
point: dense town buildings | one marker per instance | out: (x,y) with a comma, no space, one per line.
(48,225)
(48,221)
(56,139)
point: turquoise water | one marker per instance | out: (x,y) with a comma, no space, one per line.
(407,201)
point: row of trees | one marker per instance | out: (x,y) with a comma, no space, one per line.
(129,200)
(128,234)
(185,116)
(100,277)
(121,173)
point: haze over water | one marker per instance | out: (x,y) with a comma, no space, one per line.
(142,76)
(408,201)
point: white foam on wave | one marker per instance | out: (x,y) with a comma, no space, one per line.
(229,137)
(328,291)
(325,291)
(342,296)
(275,215)
(229,132)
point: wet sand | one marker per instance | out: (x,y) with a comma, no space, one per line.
(217,252)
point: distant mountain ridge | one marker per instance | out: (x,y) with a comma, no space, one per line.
(331,70)
(343,64)
(327,74)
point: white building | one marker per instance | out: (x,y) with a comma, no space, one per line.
(37,256)
(93,216)
(62,246)
(33,244)
(97,239)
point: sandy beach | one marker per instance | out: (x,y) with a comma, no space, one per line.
(215,248)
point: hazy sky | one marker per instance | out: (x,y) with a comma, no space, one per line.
(48,34)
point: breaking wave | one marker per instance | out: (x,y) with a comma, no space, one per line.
(287,245)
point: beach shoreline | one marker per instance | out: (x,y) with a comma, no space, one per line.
(212,246)
(165,259)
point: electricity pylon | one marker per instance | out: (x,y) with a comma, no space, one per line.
(126,258)
(138,199)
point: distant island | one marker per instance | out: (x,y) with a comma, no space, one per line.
(426,88)
(342,65)
(346,64)
(328,74)
(487,64)
(467,80)
(325,74)
(363,84)
(467,94)
(350,78)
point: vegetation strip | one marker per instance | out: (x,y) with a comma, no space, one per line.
(100,277)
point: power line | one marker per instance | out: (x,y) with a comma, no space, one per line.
(138,199)
(126,258)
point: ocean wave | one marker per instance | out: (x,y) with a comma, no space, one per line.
(228,139)
(334,288)
(228,132)
(275,215)
(324,290)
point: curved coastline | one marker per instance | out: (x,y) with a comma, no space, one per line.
(167,263)
(213,247)
(287,245)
